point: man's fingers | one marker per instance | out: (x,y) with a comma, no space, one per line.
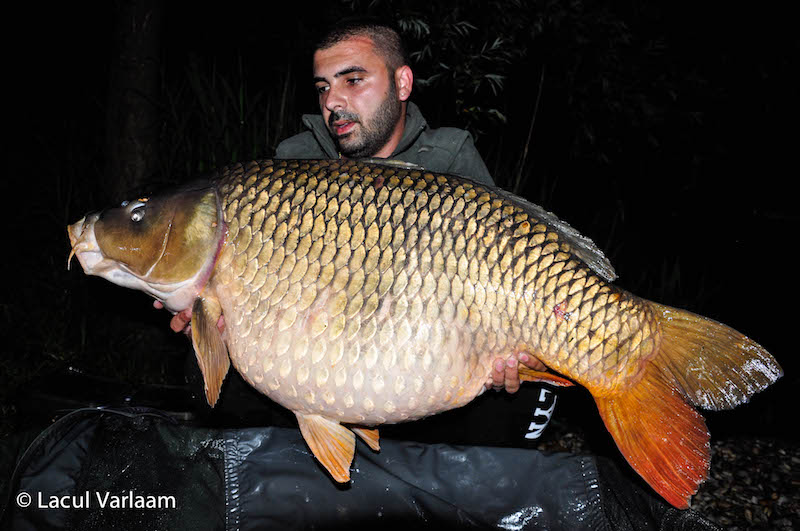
(176,323)
(531,362)
(180,320)
(511,376)
(505,373)
(498,374)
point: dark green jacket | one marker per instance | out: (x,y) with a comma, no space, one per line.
(446,150)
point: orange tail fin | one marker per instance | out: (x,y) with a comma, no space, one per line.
(698,362)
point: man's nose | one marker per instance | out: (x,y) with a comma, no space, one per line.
(335,100)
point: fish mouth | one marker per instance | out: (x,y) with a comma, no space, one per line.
(83,239)
(84,245)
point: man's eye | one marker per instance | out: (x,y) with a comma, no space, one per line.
(322,88)
(354,80)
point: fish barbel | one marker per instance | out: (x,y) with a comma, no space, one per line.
(357,294)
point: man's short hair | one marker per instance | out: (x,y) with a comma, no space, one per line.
(384,36)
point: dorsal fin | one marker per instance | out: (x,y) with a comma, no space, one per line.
(394,163)
(582,246)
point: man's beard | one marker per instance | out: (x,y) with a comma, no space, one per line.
(373,136)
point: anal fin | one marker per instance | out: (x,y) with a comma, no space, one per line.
(529,375)
(369,436)
(209,348)
(331,443)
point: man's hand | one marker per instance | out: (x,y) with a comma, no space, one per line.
(505,372)
(181,321)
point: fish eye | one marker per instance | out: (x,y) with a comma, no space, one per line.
(137,214)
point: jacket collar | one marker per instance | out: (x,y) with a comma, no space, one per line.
(316,125)
(415,125)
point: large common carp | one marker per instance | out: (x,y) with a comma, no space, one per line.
(357,294)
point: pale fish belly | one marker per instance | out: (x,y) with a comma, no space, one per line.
(391,366)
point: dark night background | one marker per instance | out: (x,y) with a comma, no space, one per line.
(666,132)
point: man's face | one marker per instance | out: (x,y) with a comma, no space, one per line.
(358,98)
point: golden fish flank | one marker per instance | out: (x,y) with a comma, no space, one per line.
(379,302)
(361,293)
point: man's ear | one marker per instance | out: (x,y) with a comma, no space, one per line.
(404,81)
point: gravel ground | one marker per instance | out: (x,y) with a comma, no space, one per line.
(754,483)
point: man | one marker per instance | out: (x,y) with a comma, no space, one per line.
(363,83)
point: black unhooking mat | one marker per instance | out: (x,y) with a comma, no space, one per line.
(139,469)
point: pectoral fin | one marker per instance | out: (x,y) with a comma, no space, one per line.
(529,375)
(369,436)
(210,350)
(331,443)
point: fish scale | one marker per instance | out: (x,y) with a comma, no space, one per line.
(384,260)
(361,293)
